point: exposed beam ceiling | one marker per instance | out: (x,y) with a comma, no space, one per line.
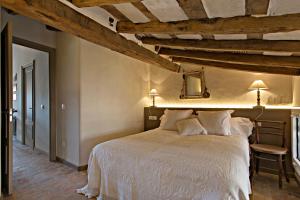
(115,12)
(139,5)
(90,3)
(62,17)
(242,67)
(254,7)
(280,61)
(194,9)
(228,45)
(233,25)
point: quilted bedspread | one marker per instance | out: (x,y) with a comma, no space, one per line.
(161,164)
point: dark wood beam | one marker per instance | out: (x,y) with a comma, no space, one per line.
(279,61)
(139,5)
(91,3)
(228,45)
(58,15)
(254,7)
(194,9)
(242,67)
(233,25)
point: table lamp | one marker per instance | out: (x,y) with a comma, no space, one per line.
(153,93)
(258,85)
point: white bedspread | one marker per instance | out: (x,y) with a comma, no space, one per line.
(163,165)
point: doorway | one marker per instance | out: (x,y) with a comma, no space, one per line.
(11,89)
(28,108)
(34,69)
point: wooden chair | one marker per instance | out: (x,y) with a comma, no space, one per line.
(274,128)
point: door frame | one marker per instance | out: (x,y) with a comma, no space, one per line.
(23,112)
(52,89)
(6,111)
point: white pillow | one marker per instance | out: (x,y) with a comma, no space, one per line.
(170,117)
(216,122)
(190,126)
(241,126)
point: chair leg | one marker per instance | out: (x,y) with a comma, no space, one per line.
(284,169)
(257,164)
(280,170)
(252,167)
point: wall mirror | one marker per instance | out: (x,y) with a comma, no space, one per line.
(194,86)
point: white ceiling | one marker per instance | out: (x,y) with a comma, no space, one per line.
(166,10)
(169,10)
(224,8)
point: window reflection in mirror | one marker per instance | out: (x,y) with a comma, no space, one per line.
(193,86)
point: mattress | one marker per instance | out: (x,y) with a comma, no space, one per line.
(160,164)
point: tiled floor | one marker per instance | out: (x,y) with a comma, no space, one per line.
(35,178)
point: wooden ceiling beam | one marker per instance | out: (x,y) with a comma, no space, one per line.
(254,7)
(140,6)
(233,25)
(241,67)
(279,61)
(91,3)
(229,45)
(115,12)
(194,9)
(58,15)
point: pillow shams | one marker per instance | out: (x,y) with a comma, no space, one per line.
(190,126)
(241,126)
(215,122)
(170,117)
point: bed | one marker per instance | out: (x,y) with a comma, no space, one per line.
(161,164)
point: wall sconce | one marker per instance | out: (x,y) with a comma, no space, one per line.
(258,85)
(153,93)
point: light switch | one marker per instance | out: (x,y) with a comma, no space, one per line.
(63,106)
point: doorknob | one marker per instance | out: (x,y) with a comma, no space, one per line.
(11,115)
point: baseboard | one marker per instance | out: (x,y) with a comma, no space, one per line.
(78,168)
(82,168)
(297,179)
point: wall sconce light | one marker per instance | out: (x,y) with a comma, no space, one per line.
(153,93)
(258,85)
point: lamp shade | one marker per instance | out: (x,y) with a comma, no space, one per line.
(258,84)
(153,92)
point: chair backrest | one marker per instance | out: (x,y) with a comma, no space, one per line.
(266,127)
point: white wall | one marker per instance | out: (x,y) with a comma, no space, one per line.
(104,93)
(113,92)
(296,91)
(68,93)
(23,56)
(227,87)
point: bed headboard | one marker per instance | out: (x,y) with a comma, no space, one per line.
(152,115)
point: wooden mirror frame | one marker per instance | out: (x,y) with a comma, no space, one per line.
(204,91)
